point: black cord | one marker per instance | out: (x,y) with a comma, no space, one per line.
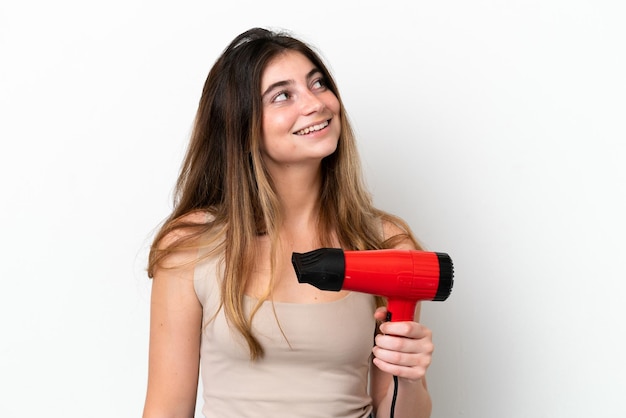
(395,384)
(395,396)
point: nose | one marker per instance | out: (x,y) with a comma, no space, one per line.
(311,103)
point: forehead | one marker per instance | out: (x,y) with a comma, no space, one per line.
(289,65)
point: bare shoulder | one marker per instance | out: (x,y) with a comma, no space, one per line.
(180,240)
(397,234)
(182,228)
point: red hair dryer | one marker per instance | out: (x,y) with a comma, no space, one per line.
(404,277)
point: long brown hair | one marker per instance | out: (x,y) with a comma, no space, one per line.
(223,175)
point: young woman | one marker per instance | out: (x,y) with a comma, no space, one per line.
(271,169)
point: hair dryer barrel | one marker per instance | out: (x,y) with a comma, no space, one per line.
(402,276)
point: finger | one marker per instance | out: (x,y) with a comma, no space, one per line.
(380,314)
(403,359)
(414,372)
(406,329)
(404,345)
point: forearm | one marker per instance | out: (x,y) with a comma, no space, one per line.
(412,400)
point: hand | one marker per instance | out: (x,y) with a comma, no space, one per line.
(404,349)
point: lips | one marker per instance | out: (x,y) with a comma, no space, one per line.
(313,128)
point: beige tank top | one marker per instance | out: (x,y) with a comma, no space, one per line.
(320,370)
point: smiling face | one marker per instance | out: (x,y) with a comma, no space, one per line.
(300,114)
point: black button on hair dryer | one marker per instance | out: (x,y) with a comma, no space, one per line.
(404,277)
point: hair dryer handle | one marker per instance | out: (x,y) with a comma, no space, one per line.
(401,310)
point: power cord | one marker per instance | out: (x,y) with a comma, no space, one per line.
(395,384)
(395,396)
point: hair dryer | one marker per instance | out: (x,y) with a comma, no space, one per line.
(404,277)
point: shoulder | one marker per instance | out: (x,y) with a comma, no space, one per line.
(183,228)
(179,239)
(397,233)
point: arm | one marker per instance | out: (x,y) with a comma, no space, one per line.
(175,328)
(403,349)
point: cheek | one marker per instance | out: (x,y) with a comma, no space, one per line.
(271,141)
(336,107)
(277,129)
(332,103)
(273,125)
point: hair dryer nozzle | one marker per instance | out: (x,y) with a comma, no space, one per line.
(446,277)
(323,268)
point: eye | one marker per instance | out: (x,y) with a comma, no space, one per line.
(281,96)
(318,84)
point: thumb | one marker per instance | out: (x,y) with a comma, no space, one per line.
(380,314)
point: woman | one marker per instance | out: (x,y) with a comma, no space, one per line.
(271,169)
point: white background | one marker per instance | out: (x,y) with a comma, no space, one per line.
(495,128)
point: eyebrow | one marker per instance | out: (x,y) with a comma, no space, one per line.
(283,83)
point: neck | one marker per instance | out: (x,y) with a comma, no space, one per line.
(298,190)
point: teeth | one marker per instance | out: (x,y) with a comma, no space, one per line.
(312,128)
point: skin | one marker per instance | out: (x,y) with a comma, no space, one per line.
(174,354)
(294,98)
(296,101)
